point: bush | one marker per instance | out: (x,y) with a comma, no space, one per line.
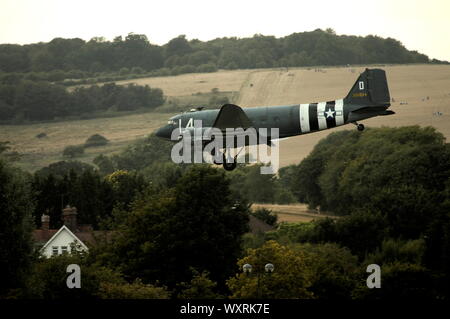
(137,70)
(73,151)
(200,287)
(266,215)
(124,71)
(187,69)
(204,68)
(400,281)
(96,140)
(284,196)
(335,271)
(136,290)
(392,250)
(231,66)
(290,280)
(41,135)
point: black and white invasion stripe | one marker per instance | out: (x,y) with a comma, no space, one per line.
(321,116)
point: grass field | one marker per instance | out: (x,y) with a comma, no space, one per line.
(410,84)
(293,213)
(37,153)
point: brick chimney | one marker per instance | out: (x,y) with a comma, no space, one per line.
(45,222)
(70,218)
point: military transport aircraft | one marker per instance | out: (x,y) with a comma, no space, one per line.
(368,97)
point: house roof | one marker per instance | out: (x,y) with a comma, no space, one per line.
(64,228)
(84,235)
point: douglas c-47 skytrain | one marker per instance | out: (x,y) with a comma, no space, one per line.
(368,97)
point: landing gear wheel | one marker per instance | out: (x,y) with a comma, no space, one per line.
(229,166)
(218,163)
(360,127)
(213,154)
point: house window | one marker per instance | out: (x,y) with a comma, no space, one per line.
(63,249)
(55,250)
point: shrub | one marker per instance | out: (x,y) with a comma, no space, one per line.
(135,290)
(73,151)
(187,69)
(96,140)
(204,68)
(124,71)
(266,215)
(41,135)
(137,70)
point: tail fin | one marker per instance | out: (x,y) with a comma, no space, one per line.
(370,89)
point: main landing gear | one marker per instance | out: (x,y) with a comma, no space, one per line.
(360,127)
(229,163)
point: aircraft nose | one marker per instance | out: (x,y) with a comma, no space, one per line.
(160,132)
(163,132)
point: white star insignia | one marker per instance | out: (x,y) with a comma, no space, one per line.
(329,113)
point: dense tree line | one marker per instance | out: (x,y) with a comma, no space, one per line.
(16,206)
(38,101)
(71,58)
(180,229)
(80,185)
(389,183)
(33,77)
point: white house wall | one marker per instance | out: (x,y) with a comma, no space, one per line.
(62,238)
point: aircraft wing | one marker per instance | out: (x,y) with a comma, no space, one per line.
(232,116)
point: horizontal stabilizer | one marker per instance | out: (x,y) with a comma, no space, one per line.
(370,109)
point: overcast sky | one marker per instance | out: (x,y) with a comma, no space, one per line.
(422,25)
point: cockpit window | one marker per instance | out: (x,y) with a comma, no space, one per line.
(171,122)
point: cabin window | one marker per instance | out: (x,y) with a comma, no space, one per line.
(55,250)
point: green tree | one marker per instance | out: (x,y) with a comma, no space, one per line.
(334,270)
(400,173)
(197,224)
(143,153)
(266,215)
(135,290)
(63,168)
(178,46)
(47,280)
(104,164)
(125,185)
(63,184)
(73,151)
(392,250)
(96,140)
(399,281)
(16,206)
(291,277)
(254,186)
(200,287)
